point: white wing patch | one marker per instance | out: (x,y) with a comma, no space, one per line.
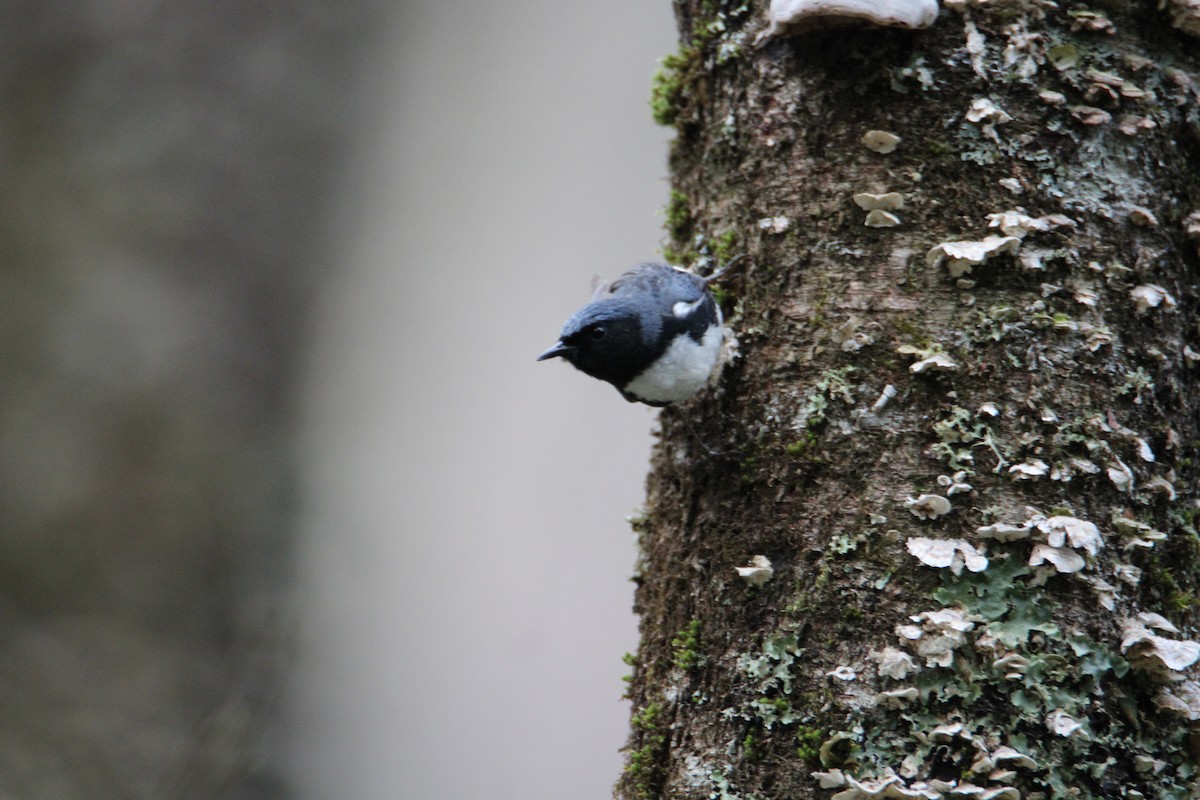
(682,370)
(684,309)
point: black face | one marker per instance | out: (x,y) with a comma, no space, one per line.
(608,348)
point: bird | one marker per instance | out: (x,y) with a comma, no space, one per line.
(654,333)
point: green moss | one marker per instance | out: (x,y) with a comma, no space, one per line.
(808,743)
(668,88)
(802,445)
(748,469)
(724,246)
(630,660)
(644,767)
(648,718)
(678,216)
(750,747)
(686,645)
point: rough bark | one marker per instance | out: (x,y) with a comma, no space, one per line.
(1047,389)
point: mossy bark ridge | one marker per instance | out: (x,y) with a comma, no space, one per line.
(961,425)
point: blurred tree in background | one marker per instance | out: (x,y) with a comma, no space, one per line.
(165,169)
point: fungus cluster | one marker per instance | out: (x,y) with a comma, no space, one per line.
(793,16)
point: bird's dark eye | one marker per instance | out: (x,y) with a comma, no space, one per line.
(597,333)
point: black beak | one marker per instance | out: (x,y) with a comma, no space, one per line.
(557,350)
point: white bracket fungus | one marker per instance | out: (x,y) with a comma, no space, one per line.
(1161,485)
(1153,620)
(893,663)
(1140,533)
(1015,222)
(1150,295)
(843,673)
(955,484)
(1094,21)
(1182,698)
(928,506)
(952,553)
(879,208)
(1156,654)
(833,779)
(961,256)
(774,224)
(936,635)
(877,218)
(1121,476)
(1015,757)
(985,111)
(785,16)
(1028,470)
(1003,532)
(934,361)
(1090,115)
(759,571)
(1063,559)
(1062,723)
(887,201)
(1080,534)
(880,141)
(1014,666)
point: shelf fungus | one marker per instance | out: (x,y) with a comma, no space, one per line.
(928,506)
(1156,655)
(1015,222)
(793,16)
(1181,698)
(1062,723)
(961,256)
(894,664)
(934,361)
(943,553)
(1150,295)
(984,110)
(936,635)
(879,208)
(1029,470)
(1003,532)
(880,141)
(759,571)
(1063,559)
(1078,533)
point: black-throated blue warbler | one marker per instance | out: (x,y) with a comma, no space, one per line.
(655,333)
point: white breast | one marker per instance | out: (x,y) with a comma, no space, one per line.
(681,371)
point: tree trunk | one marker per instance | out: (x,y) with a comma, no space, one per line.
(963,430)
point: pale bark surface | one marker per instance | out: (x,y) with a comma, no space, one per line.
(1046,390)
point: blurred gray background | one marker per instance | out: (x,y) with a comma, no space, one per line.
(287,509)
(465,600)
